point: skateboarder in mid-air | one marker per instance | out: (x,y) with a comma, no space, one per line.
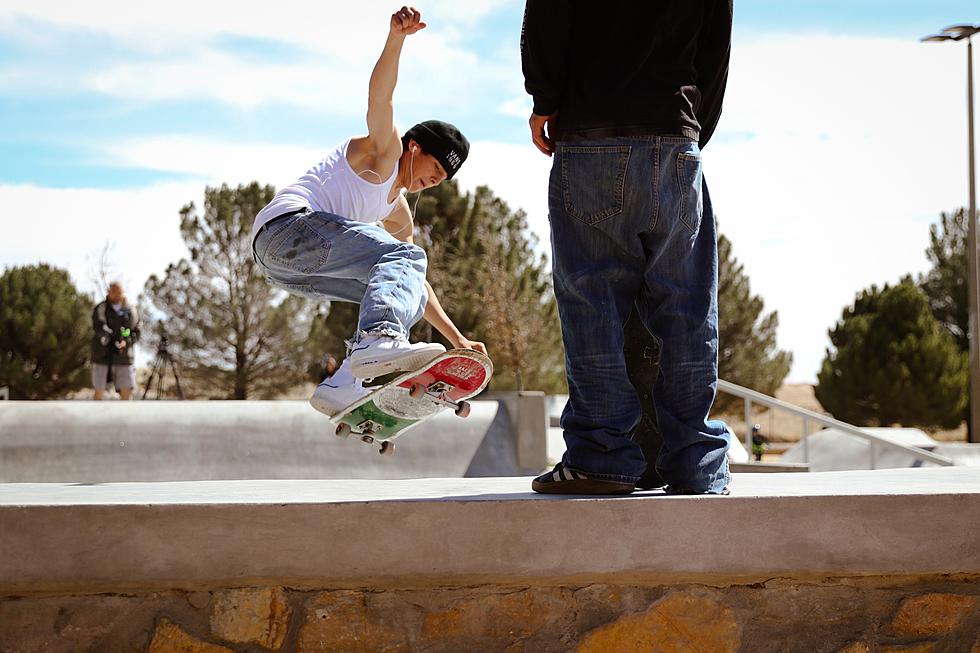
(344,231)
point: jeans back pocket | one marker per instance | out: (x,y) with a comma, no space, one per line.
(298,247)
(689,189)
(593,179)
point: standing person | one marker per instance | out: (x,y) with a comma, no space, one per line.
(344,231)
(759,442)
(116,327)
(624,99)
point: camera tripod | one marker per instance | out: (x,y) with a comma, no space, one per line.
(159,369)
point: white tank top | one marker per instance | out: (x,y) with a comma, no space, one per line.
(333,186)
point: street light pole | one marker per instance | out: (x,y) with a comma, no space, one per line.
(973,435)
(958,33)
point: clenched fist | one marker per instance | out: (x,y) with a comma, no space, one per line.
(406,21)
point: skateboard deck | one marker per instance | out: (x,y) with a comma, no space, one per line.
(412,397)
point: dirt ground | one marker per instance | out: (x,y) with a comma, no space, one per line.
(779,426)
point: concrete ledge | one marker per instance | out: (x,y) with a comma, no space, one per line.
(767,467)
(437,532)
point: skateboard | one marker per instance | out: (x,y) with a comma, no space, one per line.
(444,382)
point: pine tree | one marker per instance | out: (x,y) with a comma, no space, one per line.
(945,285)
(484,266)
(229,330)
(892,362)
(45,333)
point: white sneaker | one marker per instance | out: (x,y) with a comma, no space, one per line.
(377,355)
(338,392)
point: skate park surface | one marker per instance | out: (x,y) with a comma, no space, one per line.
(452,551)
(93,442)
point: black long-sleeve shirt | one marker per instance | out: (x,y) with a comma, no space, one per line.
(108,326)
(627,67)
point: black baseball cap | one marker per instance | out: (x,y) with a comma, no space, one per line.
(443,141)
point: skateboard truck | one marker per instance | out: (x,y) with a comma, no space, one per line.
(438,393)
(366,430)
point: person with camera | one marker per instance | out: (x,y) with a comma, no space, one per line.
(117,328)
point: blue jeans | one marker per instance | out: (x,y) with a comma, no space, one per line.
(631,224)
(323,256)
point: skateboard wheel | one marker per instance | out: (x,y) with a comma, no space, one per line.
(387,448)
(463,409)
(367,438)
(343,430)
(417,391)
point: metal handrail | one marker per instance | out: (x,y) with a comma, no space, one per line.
(808,416)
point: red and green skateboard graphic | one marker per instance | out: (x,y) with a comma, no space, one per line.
(444,382)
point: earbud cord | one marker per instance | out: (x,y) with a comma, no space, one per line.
(411,176)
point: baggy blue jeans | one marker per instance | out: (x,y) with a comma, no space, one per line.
(631,224)
(324,256)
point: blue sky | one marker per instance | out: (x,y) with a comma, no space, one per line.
(841,141)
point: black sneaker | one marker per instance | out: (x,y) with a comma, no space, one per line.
(670,489)
(562,480)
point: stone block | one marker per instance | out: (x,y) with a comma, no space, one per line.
(855,647)
(198,600)
(599,604)
(527,618)
(245,615)
(784,611)
(62,624)
(169,638)
(441,621)
(680,622)
(932,614)
(921,647)
(344,622)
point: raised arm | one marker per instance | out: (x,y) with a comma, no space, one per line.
(381,114)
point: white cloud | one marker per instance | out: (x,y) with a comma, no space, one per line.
(519,107)
(68,228)
(333,27)
(213,161)
(176,53)
(433,72)
(214,75)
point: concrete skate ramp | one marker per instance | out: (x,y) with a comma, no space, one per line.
(106,442)
(832,450)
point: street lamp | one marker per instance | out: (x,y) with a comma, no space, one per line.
(958,33)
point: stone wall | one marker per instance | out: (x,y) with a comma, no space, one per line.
(936,614)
